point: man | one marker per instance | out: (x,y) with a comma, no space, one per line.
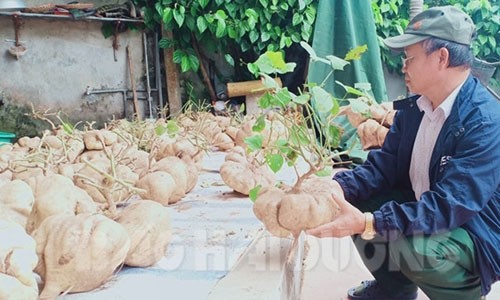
(424,209)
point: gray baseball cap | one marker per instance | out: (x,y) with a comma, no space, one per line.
(444,22)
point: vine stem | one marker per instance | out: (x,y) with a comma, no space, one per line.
(112,178)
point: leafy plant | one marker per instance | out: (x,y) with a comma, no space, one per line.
(316,109)
(391,18)
(230,27)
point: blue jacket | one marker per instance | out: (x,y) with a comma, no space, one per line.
(464,177)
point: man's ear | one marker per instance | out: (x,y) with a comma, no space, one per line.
(444,57)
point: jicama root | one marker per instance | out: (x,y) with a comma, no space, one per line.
(158,186)
(372,123)
(94,139)
(57,194)
(178,169)
(16,202)
(18,258)
(372,134)
(78,253)
(286,212)
(242,174)
(223,141)
(106,182)
(148,225)
(369,109)
(183,148)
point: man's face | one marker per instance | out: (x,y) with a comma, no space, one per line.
(419,68)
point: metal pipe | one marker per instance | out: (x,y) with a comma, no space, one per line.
(90,91)
(148,84)
(88,18)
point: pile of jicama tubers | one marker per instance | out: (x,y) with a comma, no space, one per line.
(78,204)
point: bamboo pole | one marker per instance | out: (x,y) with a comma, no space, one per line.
(134,89)
(172,78)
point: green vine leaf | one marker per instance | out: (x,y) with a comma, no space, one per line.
(302,99)
(254,142)
(324,172)
(269,82)
(337,63)
(167,15)
(201,23)
(350,89)
(272,62)
(265,101)
(67,127)
(229,59)
(179,15)
(260,124)
(310,50)
(203,3)
(254,193)
(355,54)
(275,162)
(321,100)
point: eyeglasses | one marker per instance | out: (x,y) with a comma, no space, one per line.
(405,60)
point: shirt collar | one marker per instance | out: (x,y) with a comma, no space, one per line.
(425,105)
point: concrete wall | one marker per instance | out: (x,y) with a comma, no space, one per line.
(64,57)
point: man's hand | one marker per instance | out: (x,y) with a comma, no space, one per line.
(350,221)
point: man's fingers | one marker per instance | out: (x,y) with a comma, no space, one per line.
(320,231)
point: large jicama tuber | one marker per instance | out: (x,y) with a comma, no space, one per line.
(243,174)
(18,258)
(364,108)
(106,182)
(57,194)
(16,202)
(371,119)
(148,225)
(78,253)
(223,141)
(158,186)
(289,211)
(181,147)
(371,134)
(184,173)
(98,139)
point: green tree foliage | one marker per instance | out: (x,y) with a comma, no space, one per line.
(232,28)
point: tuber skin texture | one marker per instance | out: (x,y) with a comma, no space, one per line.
(56,194)
(178,169)
(372,134)
(78,253)
(148,226)
(242,174)
(223,141)
(266,208)
(159,187)
(105,189)
(18,258)
(94,139)
(286,212)
(16,202)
